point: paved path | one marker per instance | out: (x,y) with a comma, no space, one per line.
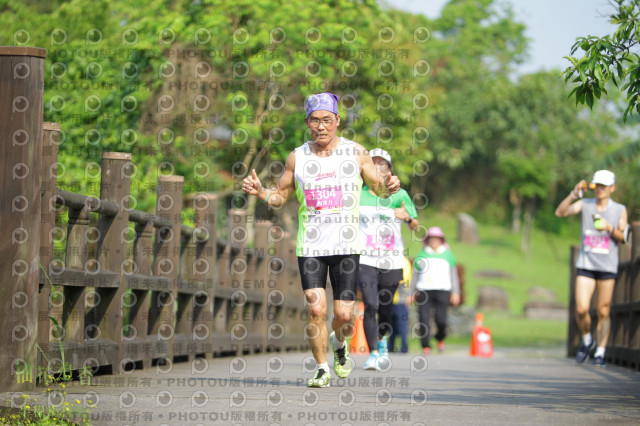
(513,387)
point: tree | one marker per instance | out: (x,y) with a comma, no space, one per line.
(209,89)
(546,141)
(610,58)
(474,46)
(614,60)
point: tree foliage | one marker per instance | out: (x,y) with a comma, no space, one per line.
(612,58)
(209,89)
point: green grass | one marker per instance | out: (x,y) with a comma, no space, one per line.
(499,249)
(508,330)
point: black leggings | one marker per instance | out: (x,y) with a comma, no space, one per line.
(378,287)
(438,300)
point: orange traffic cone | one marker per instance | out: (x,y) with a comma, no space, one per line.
(481,342)
(358,344)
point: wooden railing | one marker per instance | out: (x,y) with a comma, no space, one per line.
(133,289)
(623,347)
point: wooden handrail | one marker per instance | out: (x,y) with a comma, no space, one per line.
(118,296)
(79,201)
(108,208)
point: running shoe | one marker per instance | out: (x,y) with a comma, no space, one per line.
(440,346)
(372,362)
(426,351)
(598,361)
(341,359)
(383,347)
(583,351)
(322,379)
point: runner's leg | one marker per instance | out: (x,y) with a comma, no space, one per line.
(424,313)
(313,274)
(585,287)
(368,284)
(605,294)
(343,271)
(387,286)
(441,301)
(395,327)
(403,325)
(317,329)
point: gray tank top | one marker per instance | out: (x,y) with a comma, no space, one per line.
(598,249)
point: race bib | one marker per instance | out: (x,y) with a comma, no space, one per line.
(596,242)
(383,242)
(324,200)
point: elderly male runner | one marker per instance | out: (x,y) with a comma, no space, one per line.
(326,174)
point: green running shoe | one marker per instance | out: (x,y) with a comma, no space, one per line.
(320,380)
(342,362)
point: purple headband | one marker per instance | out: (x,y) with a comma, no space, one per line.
(322,101)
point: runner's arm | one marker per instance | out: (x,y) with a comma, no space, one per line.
(565,208)
(273,197)
(286,185)
(407,211)
(411,293)
(619,233)
(454,297)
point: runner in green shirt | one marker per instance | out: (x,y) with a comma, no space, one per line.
(382,257)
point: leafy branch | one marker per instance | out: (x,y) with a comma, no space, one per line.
(610,58)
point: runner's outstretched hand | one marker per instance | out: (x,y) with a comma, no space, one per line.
(392,183)
(251,184)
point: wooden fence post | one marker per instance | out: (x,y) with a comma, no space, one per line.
(115,186)
(205,270)
(139,313)
(634,291)
(298,314)
(634,294)
(21,103)
(278,302)
(238,235)
(187,287)
(76,257)
(262,283)
(222,308)
(167,255)
(50,142)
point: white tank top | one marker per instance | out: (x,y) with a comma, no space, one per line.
(328,189)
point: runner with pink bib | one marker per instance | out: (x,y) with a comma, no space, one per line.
(604,226)
(382,259)
(327,174)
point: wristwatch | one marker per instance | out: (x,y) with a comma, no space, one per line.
(409,220)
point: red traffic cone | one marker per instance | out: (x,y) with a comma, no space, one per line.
(481,342)
(358,344)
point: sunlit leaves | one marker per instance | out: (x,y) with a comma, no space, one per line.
(610,58)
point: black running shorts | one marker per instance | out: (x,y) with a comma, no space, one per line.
(342,269)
